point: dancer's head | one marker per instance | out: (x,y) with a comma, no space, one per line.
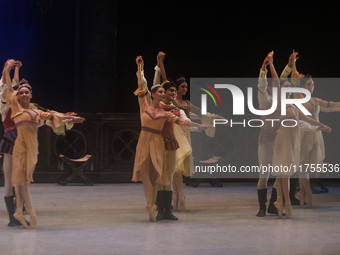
(286,84)
(307,82)
(24,93)
(170,91)
(157,93)
(182,86)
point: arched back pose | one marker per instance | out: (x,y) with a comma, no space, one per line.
(25,151)
(312,144)
(150,161)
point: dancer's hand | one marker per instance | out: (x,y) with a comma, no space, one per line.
(265,63)
(76,119)
(270,56)
(161,56)
(325,129)
(139,60)
(18,64)
(204,127)
(71,114)
(293,57)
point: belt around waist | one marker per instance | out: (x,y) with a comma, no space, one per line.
(151,130)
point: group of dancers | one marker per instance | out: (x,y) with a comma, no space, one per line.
(163,153)
(299,145)
(19,145)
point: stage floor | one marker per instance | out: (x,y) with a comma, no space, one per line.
(111,219)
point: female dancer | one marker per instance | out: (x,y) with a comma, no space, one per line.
(150,161)
(7,142)
(286,150)
(25,150)
(312,144)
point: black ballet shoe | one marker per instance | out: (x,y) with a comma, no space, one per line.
(262,197)
(167,206)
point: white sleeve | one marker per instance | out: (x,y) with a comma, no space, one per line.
(262,93)
(157,77)
(305,126)
(286,72)
(183,115)
(3,93)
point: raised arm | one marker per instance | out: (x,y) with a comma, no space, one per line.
(8,67)
(161,65)
(139,62)
(157,76)
(16,72)
(262,94)
(289,67)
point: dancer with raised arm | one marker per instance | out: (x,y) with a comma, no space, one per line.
(25,151)
(312,144)
(150,162)
(286,150)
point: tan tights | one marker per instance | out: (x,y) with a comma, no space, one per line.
(149,178)
(171,161)
(178,184)
(7,166)
(282,187)
(22,193)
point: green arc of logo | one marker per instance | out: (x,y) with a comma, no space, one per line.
(208,92)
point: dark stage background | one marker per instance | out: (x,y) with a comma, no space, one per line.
(79,55)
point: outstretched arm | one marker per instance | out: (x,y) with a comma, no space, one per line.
(313,122)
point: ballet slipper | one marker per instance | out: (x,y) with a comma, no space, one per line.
(288,209)
(151,208)
(175,202)
(182,203)
(33,219)
(302,198)
(309,201)
(279,206)
(20,217)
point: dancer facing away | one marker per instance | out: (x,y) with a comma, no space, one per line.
(150,161)
(25,151)
(286,150)
(312,144)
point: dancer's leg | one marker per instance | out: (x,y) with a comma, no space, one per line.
(305,193)
(26,194)
(149,185)
(7,167)
(265,154)
(175,185)
(279,202)
(19,201)
(181,196)
(285,189)
(171,159)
